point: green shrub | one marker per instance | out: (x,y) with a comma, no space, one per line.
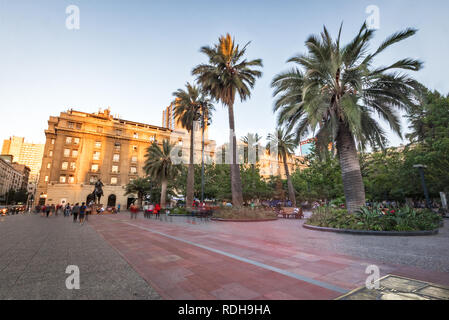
(244,214)
(376,219)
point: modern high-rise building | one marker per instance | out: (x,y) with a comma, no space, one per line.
(25,153)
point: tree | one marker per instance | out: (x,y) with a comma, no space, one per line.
(159,166)
(187,106)
(226,75)
(336,92)
(139,186)
(285,142)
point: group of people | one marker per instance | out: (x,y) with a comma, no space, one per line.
(79,212)
(151,209)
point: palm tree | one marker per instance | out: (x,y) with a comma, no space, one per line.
(159,166)
(187,107)
(337,90)
(286,145)
(226,75)
(139,186)
(251,141)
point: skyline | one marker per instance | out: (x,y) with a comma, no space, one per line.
(131,57)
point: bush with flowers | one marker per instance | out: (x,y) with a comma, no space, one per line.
(376,219)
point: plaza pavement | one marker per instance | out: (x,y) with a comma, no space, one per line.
(35,252)
(186,258)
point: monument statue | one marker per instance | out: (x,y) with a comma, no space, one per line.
(98,191)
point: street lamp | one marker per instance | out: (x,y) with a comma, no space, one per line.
(421,168)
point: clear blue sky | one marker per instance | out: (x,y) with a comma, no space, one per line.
(131,55)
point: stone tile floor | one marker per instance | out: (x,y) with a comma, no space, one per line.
(186,258)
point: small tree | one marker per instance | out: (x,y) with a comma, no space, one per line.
(139,186)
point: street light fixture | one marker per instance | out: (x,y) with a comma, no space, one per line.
(421,168)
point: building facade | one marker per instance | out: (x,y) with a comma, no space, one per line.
(24,153)
(10,178)
(82,148)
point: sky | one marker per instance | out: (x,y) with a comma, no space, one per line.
(132,55)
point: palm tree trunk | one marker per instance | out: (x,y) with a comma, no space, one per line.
(291,190)
(163,193)
(350,169)
(139,200)
(236,181)
(190,173)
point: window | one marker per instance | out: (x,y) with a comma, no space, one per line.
(114,169)
(117,146)
(52,141)
(118,132)
(133,170)
(74,153)
(134,159)
(68,140)
(98,144)
(71,179)
(136,135)
(62,179)
(48,165)
(96,155)
(72,165)
(116,158)
(65,166)
(50,154)
(71,125)
(46,179)
(114,180)
(93,179)
(94,168)
(135,148)
(66,153)
(76,140)
(100,129)
(78,126)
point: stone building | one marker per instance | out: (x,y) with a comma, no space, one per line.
(83,147)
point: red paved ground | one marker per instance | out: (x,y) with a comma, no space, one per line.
(178,270)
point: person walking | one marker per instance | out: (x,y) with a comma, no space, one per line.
(157,210)
(48,210)
(53,210)
(118,208)
(67,210)
(133,210)
(150,210)
(75,212)
(83,209)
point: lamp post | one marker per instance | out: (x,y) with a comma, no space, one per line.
(421,168)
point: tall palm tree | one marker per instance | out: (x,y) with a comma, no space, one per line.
(336,90)
(251,141)
(187,106)
(159,166)
(139,186)
(286,145)
(226,75)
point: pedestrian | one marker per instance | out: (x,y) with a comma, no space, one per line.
(83,209)
(53,210)
(67,210)
(118,208)
(133,210)
(88,211)
(48,210)
(150,210)
(76,212)
(157,210)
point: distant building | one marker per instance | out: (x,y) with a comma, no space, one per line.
(28,154)
(25,171)
(10,178)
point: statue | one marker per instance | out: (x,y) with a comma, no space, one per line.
(98,191)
